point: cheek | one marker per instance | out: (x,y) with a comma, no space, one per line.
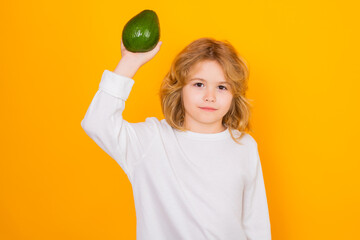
(191,95)
(230,100)
(226,99)
(188,98)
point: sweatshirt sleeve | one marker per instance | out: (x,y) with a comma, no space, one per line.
(103,122)
(256,221)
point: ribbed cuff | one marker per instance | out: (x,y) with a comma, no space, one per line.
(116,85)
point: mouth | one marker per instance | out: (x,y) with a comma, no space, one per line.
(208,109)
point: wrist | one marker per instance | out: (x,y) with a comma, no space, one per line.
(127,67)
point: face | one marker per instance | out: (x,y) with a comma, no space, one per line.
(206,88)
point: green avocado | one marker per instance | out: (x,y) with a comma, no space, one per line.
(142,32)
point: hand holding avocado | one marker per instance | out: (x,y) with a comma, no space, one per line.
(131,62)
(140,36)
(139,58)
(140,42)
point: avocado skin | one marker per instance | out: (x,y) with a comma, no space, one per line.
(142,32)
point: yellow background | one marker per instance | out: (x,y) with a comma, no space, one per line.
(56,183)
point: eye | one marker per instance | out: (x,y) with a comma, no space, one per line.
(197,84)
(224,88)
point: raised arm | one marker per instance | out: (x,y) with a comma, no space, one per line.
(103,122)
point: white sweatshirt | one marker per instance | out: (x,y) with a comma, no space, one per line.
(186,185)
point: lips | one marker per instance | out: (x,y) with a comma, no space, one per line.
(208,108)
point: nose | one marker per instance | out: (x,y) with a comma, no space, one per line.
(209,96)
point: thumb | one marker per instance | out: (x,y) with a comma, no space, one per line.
(157,47)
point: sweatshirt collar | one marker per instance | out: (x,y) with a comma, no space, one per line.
(203,136)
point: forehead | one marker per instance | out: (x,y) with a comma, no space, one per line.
(207,71)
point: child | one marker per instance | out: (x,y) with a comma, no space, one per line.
(195,174)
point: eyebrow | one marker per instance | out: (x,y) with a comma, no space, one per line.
(201,79)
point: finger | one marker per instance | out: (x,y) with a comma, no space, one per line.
(155,49)
(158,46)
(123,46)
